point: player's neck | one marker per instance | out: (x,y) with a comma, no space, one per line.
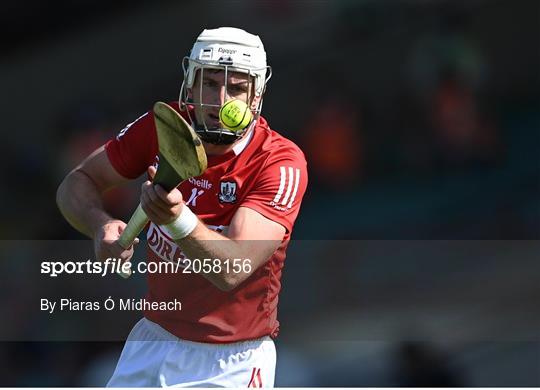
(219,150)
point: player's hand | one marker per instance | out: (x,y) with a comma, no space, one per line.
(162,207)
(106,245)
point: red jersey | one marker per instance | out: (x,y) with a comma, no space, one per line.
(265,172)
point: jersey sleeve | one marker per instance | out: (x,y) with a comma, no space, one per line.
(279,190)
(134,148)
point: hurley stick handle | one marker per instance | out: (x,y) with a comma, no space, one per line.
(135,225)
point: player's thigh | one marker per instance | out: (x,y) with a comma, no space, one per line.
(141,359)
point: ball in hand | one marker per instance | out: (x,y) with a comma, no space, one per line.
(235,115)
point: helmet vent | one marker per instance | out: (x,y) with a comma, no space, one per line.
(225,60)
(206,54)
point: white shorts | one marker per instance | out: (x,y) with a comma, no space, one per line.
(153,357)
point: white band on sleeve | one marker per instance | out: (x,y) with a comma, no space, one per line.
(183,225)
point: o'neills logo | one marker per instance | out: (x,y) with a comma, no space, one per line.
(202,183)
(165,248)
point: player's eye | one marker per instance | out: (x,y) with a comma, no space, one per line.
(238,89)
(210,83)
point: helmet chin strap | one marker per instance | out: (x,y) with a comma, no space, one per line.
(220,136)
(216,136)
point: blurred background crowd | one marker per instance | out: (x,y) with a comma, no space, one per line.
(415,259)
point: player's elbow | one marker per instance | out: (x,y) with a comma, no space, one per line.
(60,194)
(65,192)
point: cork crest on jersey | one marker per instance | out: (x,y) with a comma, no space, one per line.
(227,192)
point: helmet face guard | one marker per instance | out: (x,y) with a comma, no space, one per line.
(227,50)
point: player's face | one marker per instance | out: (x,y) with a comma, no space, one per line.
(212,93)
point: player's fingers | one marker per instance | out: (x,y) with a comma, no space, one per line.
(172,198)
(121,228)
(149,207)
(101,255)
(149,191)
(127,254)
(151,171)
(146,185)
(114,251)
(132,246)
(154,212)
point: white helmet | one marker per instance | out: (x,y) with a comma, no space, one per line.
(233,50)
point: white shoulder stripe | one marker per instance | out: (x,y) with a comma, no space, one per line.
(123,131)
(296,182)
(281,184)
(289,187)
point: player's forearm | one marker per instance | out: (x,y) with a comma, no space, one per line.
(79,201)
(204,243)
